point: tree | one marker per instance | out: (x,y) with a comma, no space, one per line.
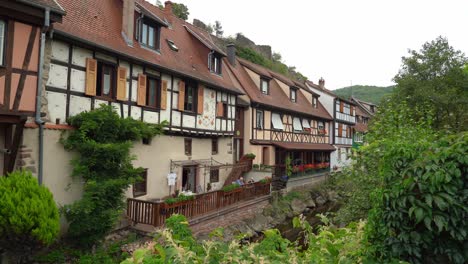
(276,56)
(435,75)
(180,10)
(218,29)
(29,217)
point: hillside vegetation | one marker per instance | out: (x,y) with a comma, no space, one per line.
(367,93)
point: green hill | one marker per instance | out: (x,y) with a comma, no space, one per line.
(366,93)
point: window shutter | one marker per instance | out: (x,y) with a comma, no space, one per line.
(200,100)
(163,94)
(141,94)
(352,110)
(219,109)
(181,95)
(340,129)
(122,84)
(341,106)
(91,76)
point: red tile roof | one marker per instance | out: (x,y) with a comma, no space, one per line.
(276,98)
(99,23)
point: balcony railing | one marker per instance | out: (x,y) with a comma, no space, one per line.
(343,141)
(299,137)
(345,117)
(156,213)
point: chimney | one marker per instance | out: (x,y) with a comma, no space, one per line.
(168,7)
(231,54)
(128,20)
(322,82)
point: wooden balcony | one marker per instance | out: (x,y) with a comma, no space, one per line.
(156,213)
(311,136)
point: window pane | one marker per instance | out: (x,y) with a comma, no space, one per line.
(152,92)
(151,37)
(2,40)
(106,84)
(144,35)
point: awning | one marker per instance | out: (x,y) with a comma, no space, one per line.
(277,122)
(304,146)
(297,124)
(305,123)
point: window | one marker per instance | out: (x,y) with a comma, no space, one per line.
(264,86)
(214,62)
(139,188)
(297,124)
(293,94)
(2,42)
(152,92)
(214,146)
(314,102)
(105,79)
(190,97)
(149,35)
(276,121)
(188,146)
(225,110)
(321,125)
(214,174)
(259,119)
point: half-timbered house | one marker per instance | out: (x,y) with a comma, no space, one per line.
(343,112)
(23,23)
(281,118)
(151,66)
(364,112)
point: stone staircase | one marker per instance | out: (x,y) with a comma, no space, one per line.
(244,165)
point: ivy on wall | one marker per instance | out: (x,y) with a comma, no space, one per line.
(103,140)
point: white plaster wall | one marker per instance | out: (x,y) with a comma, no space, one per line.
(60,51)
(57,76)
(57,106)
(206,120)
(150,117)
(79,104)
(325,99)
(79,56)
(77,80)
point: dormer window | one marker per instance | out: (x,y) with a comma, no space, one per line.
(293,94)
(149,34)
(314,102)
(264,86)
(214,62)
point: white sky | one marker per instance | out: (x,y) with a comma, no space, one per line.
(343,41)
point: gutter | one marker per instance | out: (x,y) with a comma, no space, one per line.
(38,119)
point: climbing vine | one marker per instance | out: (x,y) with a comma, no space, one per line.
(103,141)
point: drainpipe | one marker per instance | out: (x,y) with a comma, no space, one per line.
(38,119)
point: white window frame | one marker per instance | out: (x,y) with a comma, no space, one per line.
(264,86)
(258,114)
(2,41)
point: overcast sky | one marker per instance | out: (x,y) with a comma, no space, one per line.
(358,42)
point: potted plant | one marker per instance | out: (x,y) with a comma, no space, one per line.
(231,188)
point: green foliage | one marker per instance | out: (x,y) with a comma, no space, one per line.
(435,76)
(330,245)
(274,65)
(420,213)
(180,198)
(180,10)
(250,156)
(289,167)
(103,140)
(29,217)
(368,93)
(231,187)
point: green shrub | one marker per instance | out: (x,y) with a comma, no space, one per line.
(250,156)
(180,198)
(231,187)
(28,214)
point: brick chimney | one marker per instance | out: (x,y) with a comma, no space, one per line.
(231,53)
(168,7)
(322,82)
(128,21)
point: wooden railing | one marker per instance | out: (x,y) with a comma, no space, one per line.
(156,213)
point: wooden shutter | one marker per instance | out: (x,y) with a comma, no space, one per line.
(163,94)
(219,109)
(122,84)
(341,107)
(340,129)
(91,76)
(200,100)
(181,95)
(352,110)
(141,93)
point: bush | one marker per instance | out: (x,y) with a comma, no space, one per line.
(231,187)
(180,198)
(29,217)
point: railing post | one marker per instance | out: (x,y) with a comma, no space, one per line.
(156,207)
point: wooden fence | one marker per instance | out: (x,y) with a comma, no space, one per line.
(156,213)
